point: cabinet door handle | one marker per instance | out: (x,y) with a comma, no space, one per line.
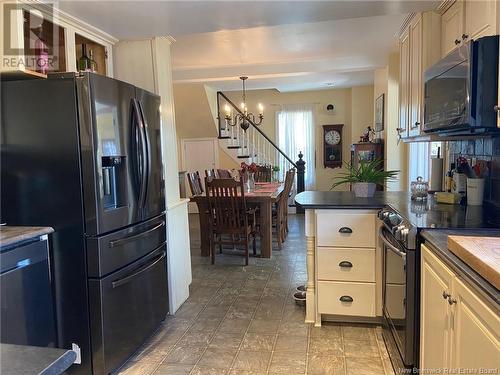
(457,42)
(451,301)
(417,123)
(345,230)
(496,108)
(346,299)
(345,264)
(464,36)
(446,295)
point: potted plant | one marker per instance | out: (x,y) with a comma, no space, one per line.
(365,177)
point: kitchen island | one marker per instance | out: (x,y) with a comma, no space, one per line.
(344,253)
(344,258)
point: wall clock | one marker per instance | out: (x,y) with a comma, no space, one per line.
(332,146)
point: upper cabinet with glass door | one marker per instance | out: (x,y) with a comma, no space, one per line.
(466,20)
(40,39)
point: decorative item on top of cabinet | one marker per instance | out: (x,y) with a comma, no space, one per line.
(98,51)
(332,146)
(44,44)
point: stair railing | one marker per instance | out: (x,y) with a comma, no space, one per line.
(254,145)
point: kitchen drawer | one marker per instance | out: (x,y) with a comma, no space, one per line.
(339,264)
(362,295)
(342,228)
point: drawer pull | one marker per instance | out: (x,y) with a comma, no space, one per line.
(345,264)
(345,230)
(346,299)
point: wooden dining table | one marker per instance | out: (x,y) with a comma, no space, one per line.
(264,195)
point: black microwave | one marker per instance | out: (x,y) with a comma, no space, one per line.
(461,90)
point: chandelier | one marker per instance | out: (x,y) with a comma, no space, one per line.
(244,117)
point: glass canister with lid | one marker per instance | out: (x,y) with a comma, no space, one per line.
(419,189)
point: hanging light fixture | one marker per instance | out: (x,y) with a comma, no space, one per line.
(243,119)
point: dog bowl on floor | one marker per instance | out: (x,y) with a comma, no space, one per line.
(301,288)
(300,298)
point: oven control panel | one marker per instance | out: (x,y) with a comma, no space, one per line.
(400,228)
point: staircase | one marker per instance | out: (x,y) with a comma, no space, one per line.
(253,145)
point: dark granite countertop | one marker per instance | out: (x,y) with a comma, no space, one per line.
(424,214)
(438,238)
(11,235)
(346,199)
(32,360)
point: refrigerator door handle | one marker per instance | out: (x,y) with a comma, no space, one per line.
(127,279)
(134,237)
(148,149)
(140,124)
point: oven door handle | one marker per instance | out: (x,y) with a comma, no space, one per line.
(390,246)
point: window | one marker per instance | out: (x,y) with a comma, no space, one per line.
(295,130)
(420,154)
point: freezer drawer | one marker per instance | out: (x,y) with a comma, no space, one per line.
(125,308)
(107,254)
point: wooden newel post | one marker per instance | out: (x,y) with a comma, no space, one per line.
(301,169)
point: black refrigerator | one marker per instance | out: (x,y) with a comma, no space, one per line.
(82,153)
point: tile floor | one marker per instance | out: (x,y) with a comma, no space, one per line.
(243,321)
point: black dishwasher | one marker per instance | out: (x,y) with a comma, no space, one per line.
(27,312)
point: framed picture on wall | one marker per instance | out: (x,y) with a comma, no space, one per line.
(379,113)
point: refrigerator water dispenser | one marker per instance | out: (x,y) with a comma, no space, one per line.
(114,180)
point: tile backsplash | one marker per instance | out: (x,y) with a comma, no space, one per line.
(487,149)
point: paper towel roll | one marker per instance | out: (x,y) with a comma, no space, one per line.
(436,180)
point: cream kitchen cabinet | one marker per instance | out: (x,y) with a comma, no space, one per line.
(404,80)
(458,328)
(416,74)
(347,265)
(476,330)
(419,47)
(465,20)
(452,27)
(435,316)
(480,18)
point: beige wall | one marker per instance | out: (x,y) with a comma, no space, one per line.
(361,110)
(386,82)
(193,114)
(356,102)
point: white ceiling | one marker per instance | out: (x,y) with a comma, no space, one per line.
(288,45)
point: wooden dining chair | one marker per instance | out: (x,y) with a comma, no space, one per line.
(195,183)
(211,173)
(281,216)
(223,173)
(263,174)
(229,215)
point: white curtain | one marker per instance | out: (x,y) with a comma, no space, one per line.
(418,160)
(295,130)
